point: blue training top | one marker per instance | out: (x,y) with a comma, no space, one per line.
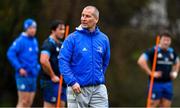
(51,48)
(23,53)
(165,60)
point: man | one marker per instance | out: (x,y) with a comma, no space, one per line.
(167,68)
(49,62)
(84,57)
(23,55)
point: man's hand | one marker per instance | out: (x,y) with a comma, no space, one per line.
(76,88)
(55,79)
(157,74)
(173,75)
(22,72)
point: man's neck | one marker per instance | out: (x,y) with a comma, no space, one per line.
(164,49)
(54,37)
(92,29)
(27,35)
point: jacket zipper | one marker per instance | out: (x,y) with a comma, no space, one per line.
(92,59)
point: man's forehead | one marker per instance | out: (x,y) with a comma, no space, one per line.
(88,10)
(61,26)
(165,37)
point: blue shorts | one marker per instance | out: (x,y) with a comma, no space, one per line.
(162,90)
(50,91)
(26,84)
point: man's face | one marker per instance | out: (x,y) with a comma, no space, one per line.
(59,32)
(31,31)
(88,19)
(165,42)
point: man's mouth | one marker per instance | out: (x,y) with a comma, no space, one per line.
(84,23)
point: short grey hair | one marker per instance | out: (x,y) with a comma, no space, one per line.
(96,11)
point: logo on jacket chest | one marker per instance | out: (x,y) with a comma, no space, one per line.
(30,49)
(172,56)
(84,49)
(160,55)
(99,49)
(57,49)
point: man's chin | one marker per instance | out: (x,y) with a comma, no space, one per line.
(84,26)
(59,38)
(165,47)
(31,35)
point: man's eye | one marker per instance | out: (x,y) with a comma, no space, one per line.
(88,16)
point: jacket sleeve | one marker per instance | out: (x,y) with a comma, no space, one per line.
(12,54)
(66,53)
(106,57)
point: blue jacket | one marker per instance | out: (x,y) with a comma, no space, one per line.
(23,53)
(84,57)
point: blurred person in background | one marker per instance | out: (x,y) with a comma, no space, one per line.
(23,55)
(167,68)
(50,70)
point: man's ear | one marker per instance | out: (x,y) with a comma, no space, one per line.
(52,31)
(97,19)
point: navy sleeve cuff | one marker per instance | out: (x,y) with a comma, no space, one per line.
(72,83)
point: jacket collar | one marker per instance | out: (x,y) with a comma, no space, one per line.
(24,34)
(84,30)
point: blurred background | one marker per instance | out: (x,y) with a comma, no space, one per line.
(131,25)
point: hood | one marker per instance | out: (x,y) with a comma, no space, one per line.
(84,30)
